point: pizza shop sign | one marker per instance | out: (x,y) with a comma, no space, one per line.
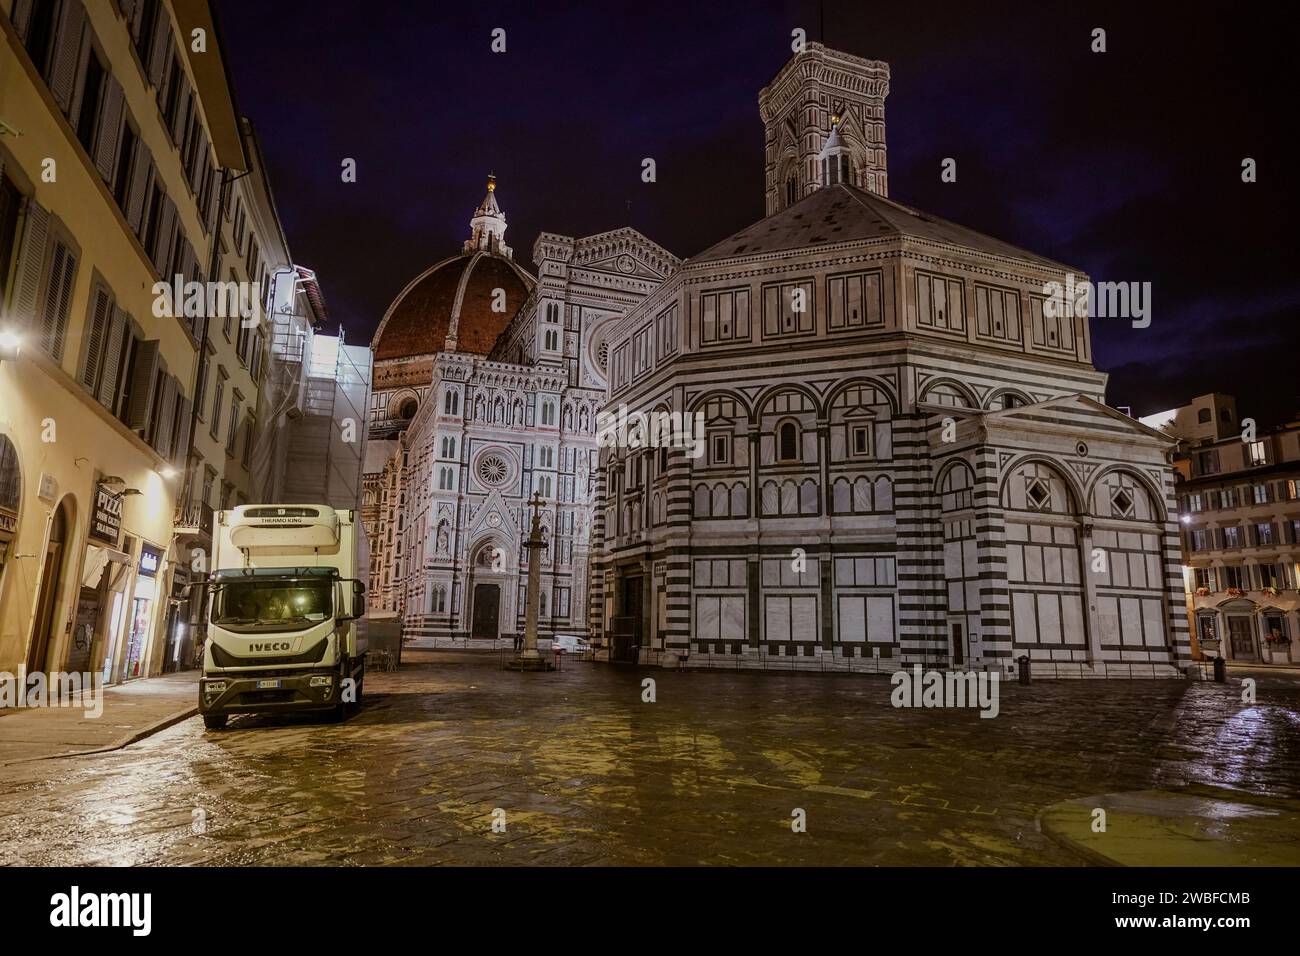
(106,522)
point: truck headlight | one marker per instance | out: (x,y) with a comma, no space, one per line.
(324,680)
(214,687)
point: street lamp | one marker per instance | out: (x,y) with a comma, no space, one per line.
(10,344)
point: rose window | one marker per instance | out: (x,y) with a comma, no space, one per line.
(492,469)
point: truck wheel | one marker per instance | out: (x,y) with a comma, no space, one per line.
(215,721)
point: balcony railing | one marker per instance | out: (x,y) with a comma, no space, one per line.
(193,519)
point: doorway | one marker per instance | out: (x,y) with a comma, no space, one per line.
(958,645)
(487,606)
(47,602)
(1242,637)
(626,636)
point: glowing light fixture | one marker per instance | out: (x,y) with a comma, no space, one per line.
(10,344)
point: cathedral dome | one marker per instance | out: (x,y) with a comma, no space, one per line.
(462,303)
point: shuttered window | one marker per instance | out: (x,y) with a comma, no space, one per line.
(31,264)
(232,429)
(68,40)
(140,189)
(35,22)
(97,327)
(141,383)
(57,304)
(10,201)
(90,101)
(109,136)
(118,342)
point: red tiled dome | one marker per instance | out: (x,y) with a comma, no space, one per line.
(460,288)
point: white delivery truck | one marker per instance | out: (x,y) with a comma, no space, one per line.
(286,612)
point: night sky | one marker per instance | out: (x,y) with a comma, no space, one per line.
(1126,164)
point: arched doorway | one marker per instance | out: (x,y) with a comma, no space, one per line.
(53,574)
(488,570)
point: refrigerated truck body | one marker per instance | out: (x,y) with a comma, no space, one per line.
(286,613)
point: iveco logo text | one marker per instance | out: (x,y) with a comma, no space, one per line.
(276,646)
(102,909)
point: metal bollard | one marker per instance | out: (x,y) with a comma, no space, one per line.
(1220,671)
(1023,670)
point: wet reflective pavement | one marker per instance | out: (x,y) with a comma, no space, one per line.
(582,771)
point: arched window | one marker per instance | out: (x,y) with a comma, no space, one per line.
(787,442)
(451,405)
(790,191)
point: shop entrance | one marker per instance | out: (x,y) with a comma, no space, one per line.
(53,572)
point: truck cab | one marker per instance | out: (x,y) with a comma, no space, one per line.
(286,618)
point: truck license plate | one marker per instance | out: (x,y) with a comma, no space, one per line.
(268,684)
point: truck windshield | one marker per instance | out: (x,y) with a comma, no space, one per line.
(272,605)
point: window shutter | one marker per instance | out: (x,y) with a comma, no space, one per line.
(110,132)
(184,419)
(162,46)
(96,337)
(165,428)
(214,194)
(21,17)
(58,300)
(181,120)
(80,69)
(31,264)
(143,376)
(141,170)
(166,233)
(67,54)
(133,11)
(113,356)
(199,164)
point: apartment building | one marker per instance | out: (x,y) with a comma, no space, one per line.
(116,117)
(1239,505)
(230,400)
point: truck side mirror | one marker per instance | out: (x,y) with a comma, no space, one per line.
(358,599)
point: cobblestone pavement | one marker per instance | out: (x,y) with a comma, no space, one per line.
(587,773)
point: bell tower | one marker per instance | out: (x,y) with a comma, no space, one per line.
(819,92)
